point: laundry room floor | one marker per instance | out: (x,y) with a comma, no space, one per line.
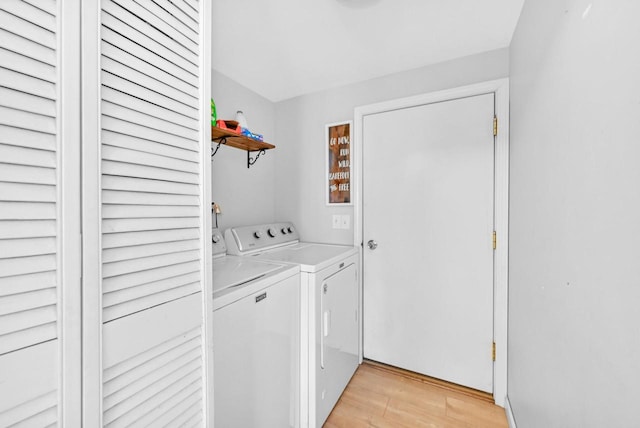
(383,397)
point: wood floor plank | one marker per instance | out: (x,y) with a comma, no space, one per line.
(380,396)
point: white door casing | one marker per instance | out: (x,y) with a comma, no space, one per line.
(500,89)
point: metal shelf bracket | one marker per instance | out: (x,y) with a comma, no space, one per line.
(251,160)
(221,141)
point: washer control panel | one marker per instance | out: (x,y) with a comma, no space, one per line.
(241,240)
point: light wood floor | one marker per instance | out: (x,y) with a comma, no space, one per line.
(383,397)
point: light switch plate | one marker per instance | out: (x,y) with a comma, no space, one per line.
(345,223)
(336,221)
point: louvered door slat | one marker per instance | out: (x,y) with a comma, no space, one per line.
(27,156)
(144,224)
(25,83)
(125,52)
(119,240)
(145,211)
(193,4)
(30,13)
(146,263)
(144,132)
(26,265)
(128,113)
(21,321)
(27,211)
(132,75)
(25,138)
(48,6)
(114,139)
(130,184)
(147,172)
(11,248)
(186,10)
(27,120)
(27,229)
(27,174)
(145,277)
(28,67)
(26,102)
(181,410)
(187,34)
(26,283)
(23,28)
(26,192)
(138,251)
(177,42)
(152,39)
(185,19)
(162,291)
(119,34)
(116,197)
(32,49)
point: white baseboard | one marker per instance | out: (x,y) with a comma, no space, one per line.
(507,408)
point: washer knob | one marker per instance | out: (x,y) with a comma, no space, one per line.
(257,234)
(290,229)
(284,230)
(271,232)
(215,239)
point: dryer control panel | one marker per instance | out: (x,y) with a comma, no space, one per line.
(250,239)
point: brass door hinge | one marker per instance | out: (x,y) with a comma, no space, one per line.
(493,351)
(495,125)
(495,240)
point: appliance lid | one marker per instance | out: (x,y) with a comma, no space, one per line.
(310,256)
(232,271)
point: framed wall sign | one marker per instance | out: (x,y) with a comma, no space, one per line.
(338,152)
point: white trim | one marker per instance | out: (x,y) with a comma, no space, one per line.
(501,89)
(68,214)
(206,264)
(91,218)
(509,411)
(326,164)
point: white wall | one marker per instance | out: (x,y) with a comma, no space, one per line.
(574,323)
(246,196)
(300,128)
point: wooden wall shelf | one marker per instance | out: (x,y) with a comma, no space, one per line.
(238,141)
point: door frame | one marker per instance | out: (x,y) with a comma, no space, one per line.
(500,88)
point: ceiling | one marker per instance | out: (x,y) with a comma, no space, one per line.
(286,48)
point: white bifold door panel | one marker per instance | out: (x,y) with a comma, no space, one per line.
(151,214)
(428,205)
(30,360)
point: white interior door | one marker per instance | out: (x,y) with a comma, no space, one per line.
(428,174)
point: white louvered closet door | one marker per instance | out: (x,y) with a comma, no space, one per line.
(152,251)
(33,211)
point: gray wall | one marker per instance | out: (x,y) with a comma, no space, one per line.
(246,196)
(574,318)
(300,129)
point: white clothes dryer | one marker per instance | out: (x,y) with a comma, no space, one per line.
(329,296)
(256,341)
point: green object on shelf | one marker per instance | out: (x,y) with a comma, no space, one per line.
(214,115)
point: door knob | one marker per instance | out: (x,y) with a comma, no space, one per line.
(372,244)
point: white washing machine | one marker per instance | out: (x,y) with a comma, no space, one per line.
(330,323)
(256,341)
